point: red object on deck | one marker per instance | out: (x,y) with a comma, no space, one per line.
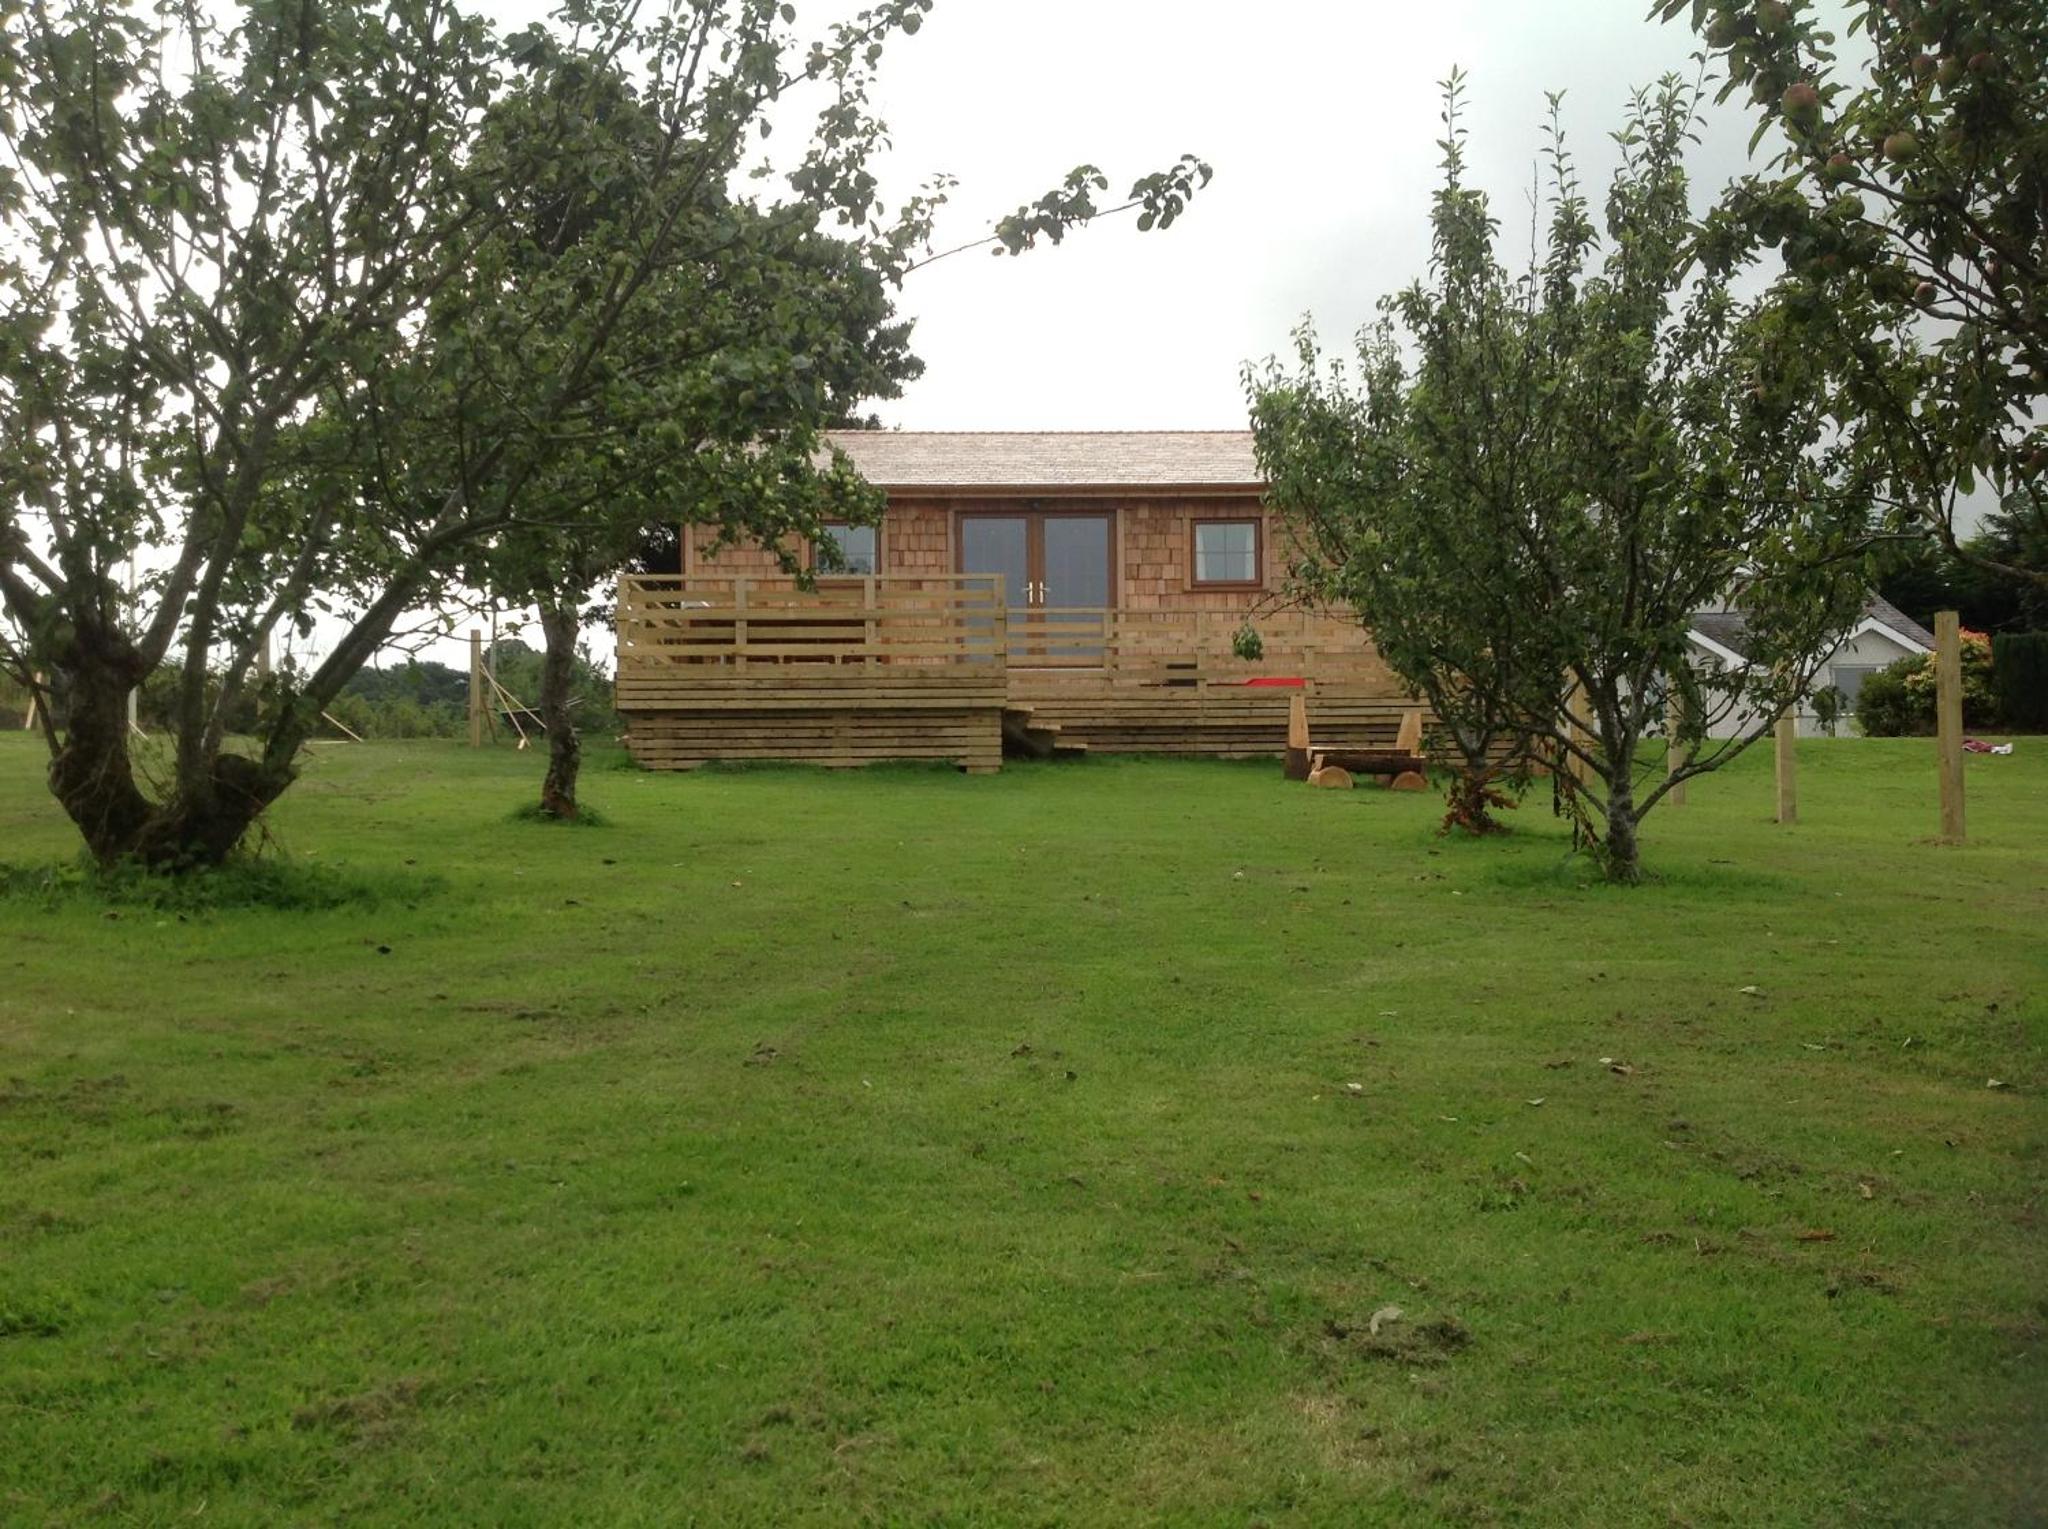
(1276,684)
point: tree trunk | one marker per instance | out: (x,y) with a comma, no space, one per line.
(91,773)
(1621,855)
(214,798)
(560,625)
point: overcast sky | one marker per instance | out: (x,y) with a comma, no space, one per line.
(1321,120)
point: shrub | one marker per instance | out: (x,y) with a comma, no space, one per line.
(1884,709)
(2019,678)
(1898,701)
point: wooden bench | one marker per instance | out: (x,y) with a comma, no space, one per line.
(1404,767)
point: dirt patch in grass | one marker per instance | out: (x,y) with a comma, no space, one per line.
(364,1416)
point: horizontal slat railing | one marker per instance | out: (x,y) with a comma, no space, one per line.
(1182,650)
(684,629)
(677,627)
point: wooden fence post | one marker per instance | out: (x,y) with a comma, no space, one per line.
(476,688)
(1948,721)
(1676,755)
(1788,766)
(1580,708)
(1296,763)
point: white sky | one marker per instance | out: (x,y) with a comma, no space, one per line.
(1321,120)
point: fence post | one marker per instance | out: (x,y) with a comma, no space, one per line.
(1676,755)
(870,624)
(739,623)
(1788,766)
(1948,720)
(476,688)
(1579,705)
(998,591)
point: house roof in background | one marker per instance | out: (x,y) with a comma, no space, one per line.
(1723,628)
(1727,629)
(1060,461)
(1885,613)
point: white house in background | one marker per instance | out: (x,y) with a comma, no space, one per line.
(1885,635)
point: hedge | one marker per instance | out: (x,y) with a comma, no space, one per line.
(2019,678)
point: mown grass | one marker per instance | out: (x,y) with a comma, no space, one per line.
(907,1147)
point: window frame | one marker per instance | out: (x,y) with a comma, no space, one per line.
(1258,579)
(1849,701)
(829,575)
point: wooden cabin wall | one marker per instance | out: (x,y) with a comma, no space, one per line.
(1154,554)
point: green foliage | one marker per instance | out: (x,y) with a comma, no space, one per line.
(348,310)
(1160,199)
(1827,709)
(1886,709)
(2019,680)
(14,697)
(1908,189)
(1924,577)
(1899,700)
(1540,477)
(518,665)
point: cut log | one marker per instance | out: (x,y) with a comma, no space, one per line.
(1297,765)
(1331,778)
(1374,761)
(1409,780)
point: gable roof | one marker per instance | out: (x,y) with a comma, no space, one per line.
(1061,461)
(1884,613)
(1725,631)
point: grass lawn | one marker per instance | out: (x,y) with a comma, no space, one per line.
(1038,1148)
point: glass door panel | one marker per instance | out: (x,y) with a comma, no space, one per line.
(1001,544)
(1074,585)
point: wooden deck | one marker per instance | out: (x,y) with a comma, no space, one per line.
(927,667)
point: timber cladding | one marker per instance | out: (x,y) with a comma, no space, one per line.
(1091,618)
(1152,546)
(924,667)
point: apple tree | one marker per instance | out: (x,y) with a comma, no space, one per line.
(1908,197)
(1548,472)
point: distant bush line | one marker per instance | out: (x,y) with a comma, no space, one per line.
(415,699)
(2005,689)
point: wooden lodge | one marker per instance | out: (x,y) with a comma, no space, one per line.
(1058,591)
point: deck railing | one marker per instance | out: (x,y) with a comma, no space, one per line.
(675,625)
(668,622)
(1190,649)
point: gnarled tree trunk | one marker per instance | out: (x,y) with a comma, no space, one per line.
(200,814)
(210,802)
(560,626)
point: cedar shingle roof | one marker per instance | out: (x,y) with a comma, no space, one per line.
(1052,459)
